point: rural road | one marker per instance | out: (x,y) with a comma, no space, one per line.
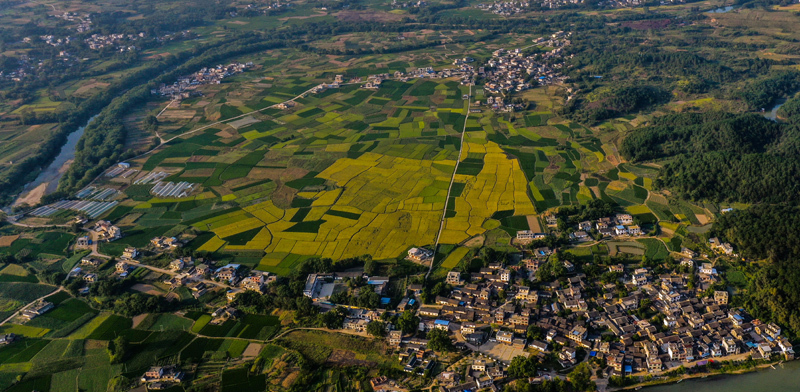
(450,188)
(172,273)
(60,289)
(134,263)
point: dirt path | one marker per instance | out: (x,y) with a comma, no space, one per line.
(60,289)
(452,179)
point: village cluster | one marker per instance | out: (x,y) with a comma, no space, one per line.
(514,71)
(99,41)
(511,8)
(84,21)
(212,75)
(640,323)
(505,8)
(608,227)
(198,275)
(407,4)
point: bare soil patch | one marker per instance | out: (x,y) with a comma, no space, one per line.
(475,242)
(33,196)
(347,358)
(147,289)
(138,319)
(534,224)
(7,240)
(252,350)
(367,16)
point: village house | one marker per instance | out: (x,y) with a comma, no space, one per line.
(130,253)
(105,231)
(721,297)
(254,282)
(164,243)
(395,337)
(163,374)
(92,262)
(505,337)
(36,310)
(177,264)
(228,273)
(7,338)
(83,242)
(708,269)
(454,278)
(419,255)
(527,235)
(624,219)
(122,267)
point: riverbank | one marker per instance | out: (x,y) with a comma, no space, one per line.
(47,181)
(666,385)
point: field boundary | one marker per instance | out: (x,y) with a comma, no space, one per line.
(450,188)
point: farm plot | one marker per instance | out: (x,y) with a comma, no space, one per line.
(499,186)
(627,247)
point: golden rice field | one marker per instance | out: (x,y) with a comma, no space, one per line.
(398,201)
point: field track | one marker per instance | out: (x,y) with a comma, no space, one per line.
(450,188)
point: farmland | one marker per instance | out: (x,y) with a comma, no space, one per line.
(349,171)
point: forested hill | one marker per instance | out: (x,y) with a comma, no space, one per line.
(721,156)
(769,232)
(696,133)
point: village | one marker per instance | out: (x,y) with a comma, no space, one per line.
(511,8)
(632,322)
(212,75)
(99,41)
(513,71)
(505,8)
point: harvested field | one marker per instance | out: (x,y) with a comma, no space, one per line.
(7,240)
(534,224)
(147,289)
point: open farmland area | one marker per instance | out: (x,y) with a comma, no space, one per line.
(438,195)
(348,171)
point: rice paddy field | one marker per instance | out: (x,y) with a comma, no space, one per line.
(350,171)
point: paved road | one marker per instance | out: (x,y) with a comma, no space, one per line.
(60,289)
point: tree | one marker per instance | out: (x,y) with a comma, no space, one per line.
(438,340)
(369,266)
(535,332)
(581,378)
(376,329)
(523,367)
(334,318)
(117,349)
(408,322)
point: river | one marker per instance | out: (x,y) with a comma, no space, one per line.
(782,378)
(47,181)
(773,114)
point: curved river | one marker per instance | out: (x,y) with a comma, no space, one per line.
(47,180)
